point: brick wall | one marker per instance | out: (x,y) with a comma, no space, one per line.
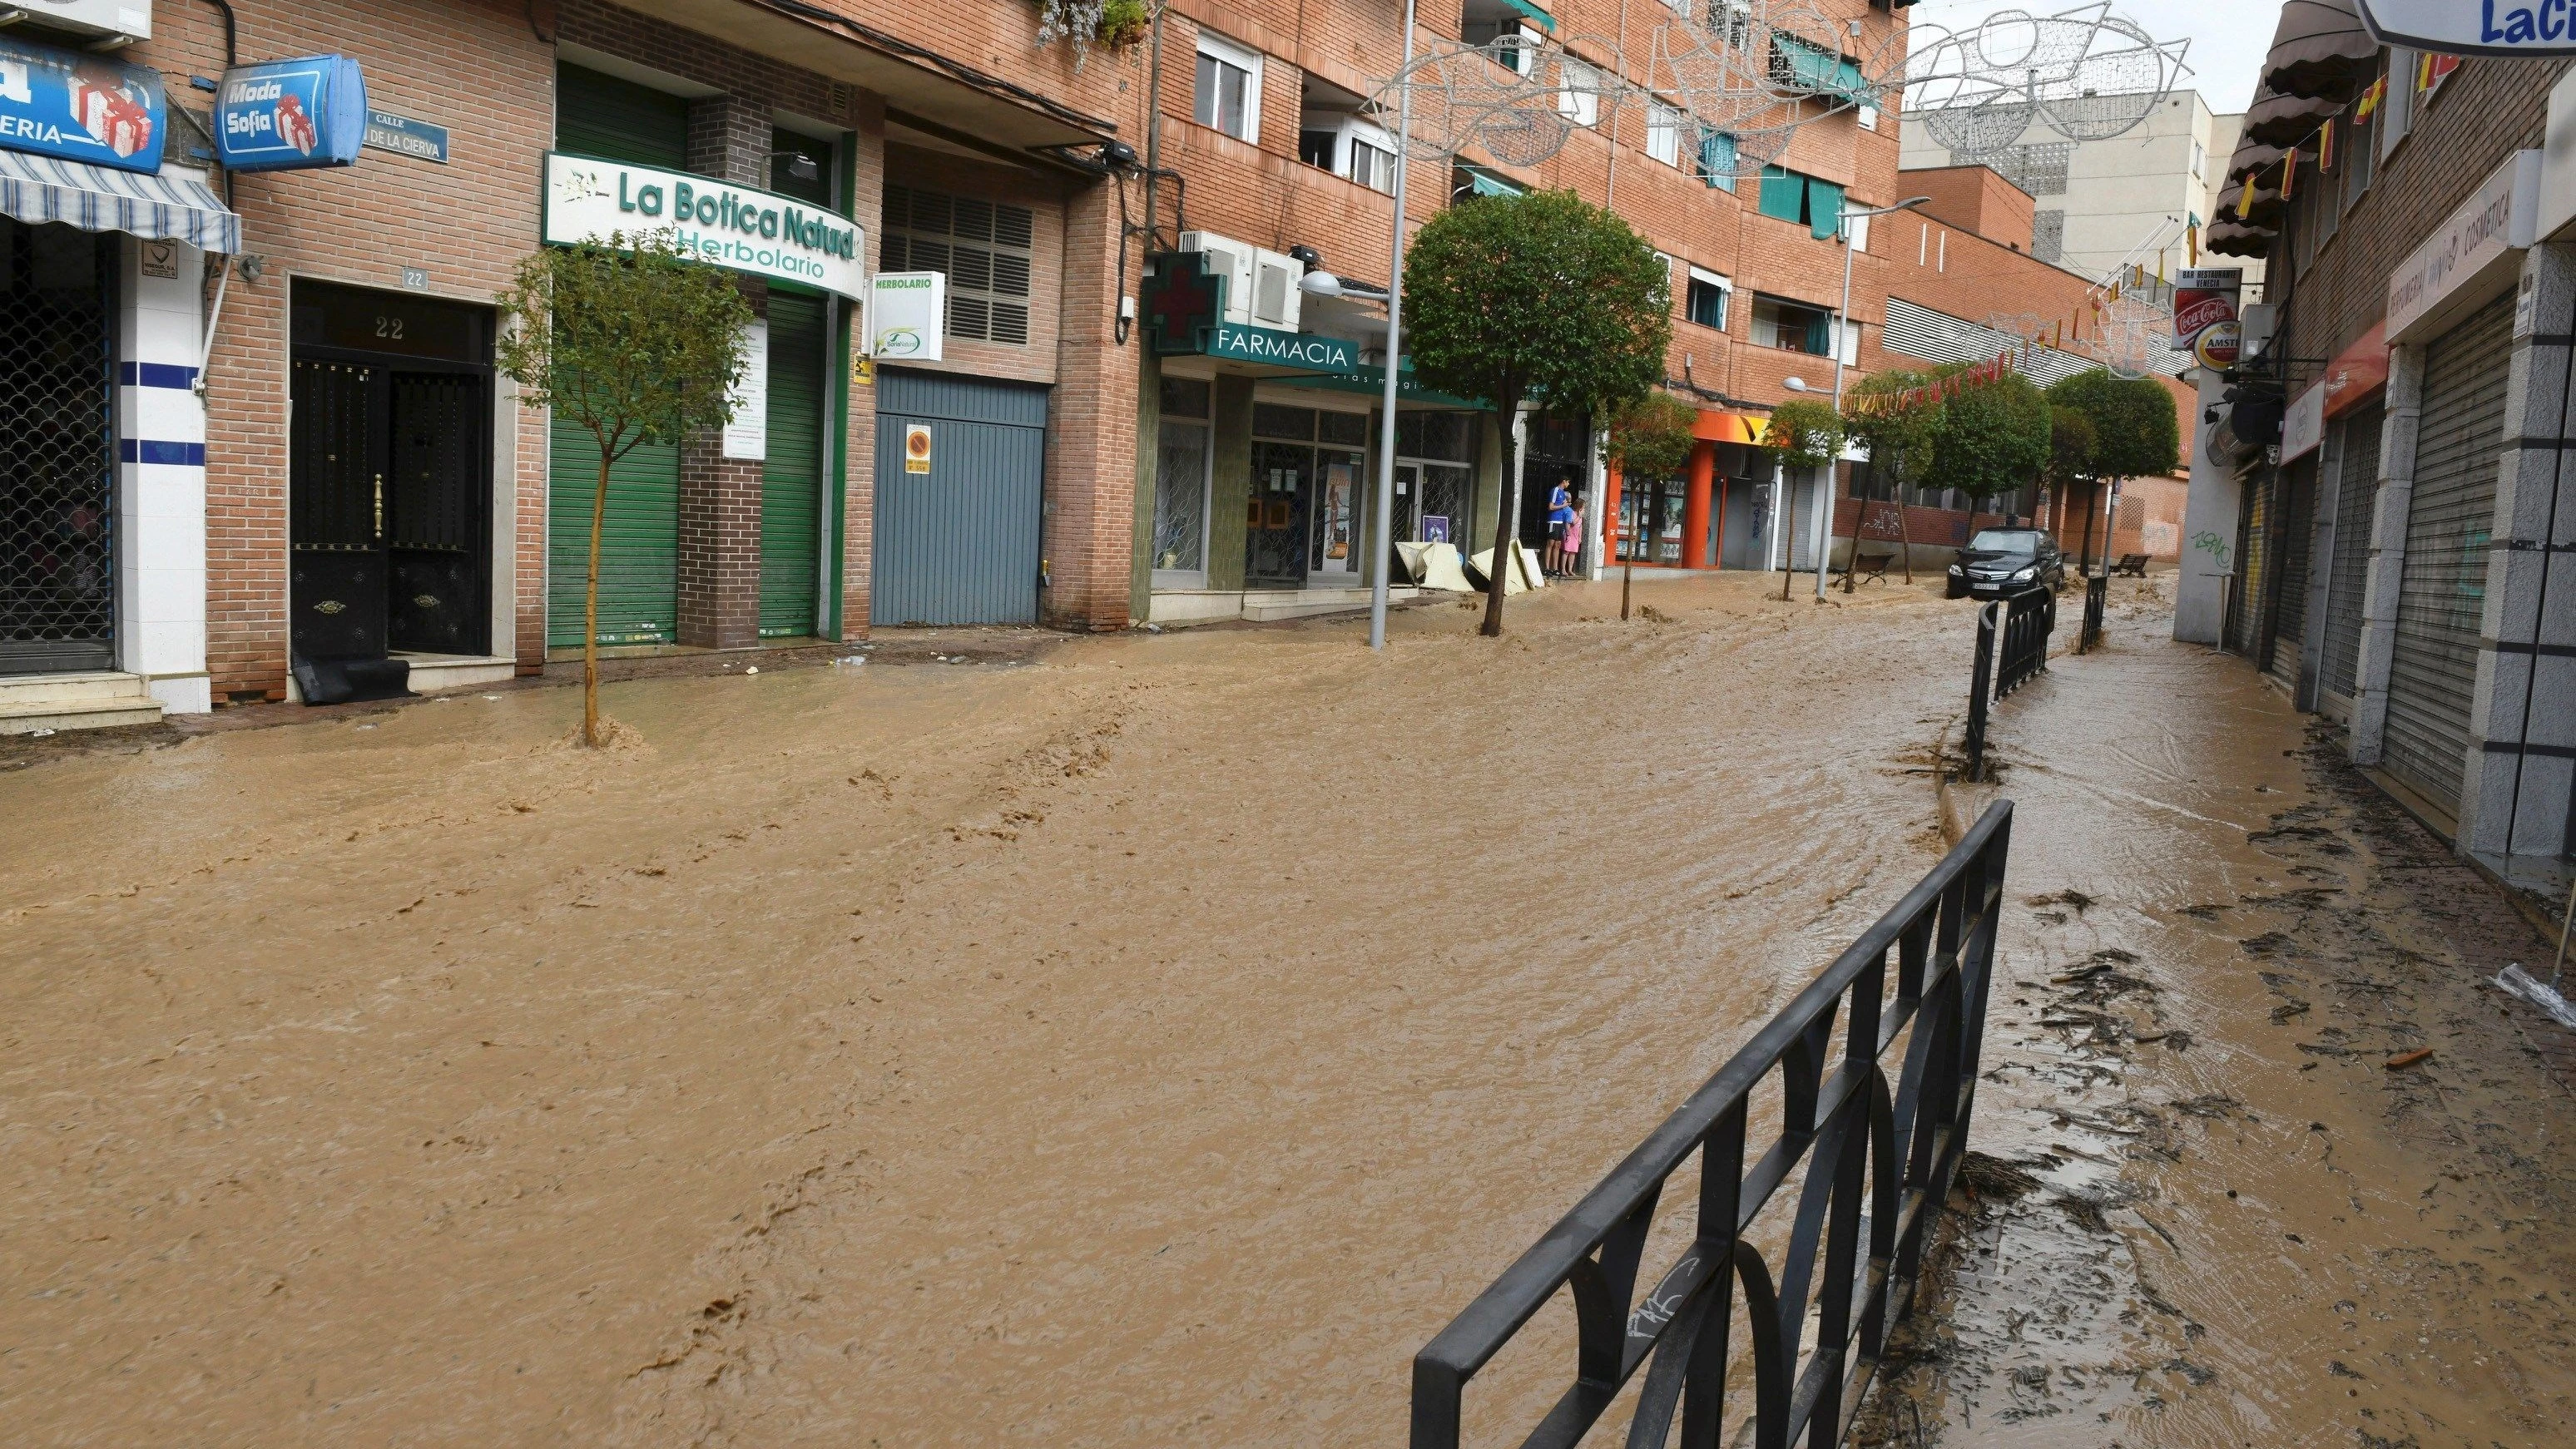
(1976,199)
(465,223)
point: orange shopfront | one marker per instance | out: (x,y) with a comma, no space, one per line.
(1716,514)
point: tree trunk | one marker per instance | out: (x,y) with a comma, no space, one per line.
(2084,550)
(1507,530)
(590,611)
(1627,588)
(1788,531)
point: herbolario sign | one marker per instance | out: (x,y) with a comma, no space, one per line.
(735,227)
(2474,27)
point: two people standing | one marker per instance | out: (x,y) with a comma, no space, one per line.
(1564,532)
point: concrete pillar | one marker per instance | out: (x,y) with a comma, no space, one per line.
(2396,494)
(729,139)
(2321,547)
(1696,482)
(859,434)
(1230,482)
(2522,719)
(159,542)
(2209,517)
(1149,430)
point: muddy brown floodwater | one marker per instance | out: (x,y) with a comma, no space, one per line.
(1156,1041)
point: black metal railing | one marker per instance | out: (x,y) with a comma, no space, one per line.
(1981,690)
(1879,1160)
(2029,617)
(2097,600)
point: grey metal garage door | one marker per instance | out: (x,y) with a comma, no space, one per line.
(958,543)
(2441,592)
(2356,495)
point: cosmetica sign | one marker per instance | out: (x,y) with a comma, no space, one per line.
(2474,27)
(81,107)
(291,115)
(736,227)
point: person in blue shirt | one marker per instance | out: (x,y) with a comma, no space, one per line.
(1560,521)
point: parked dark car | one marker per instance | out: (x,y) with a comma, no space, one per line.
(2000,561)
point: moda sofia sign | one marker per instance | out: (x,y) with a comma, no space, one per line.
(2474,27)
(735,227)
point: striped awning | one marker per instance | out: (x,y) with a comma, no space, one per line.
(94,198)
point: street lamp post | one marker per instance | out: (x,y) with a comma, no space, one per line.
(1385,509)
(1825,488)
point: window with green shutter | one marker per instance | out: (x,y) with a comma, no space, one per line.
(1824,208)
(1784,193)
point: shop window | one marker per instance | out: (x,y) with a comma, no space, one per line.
(984,248)
(1348,429)
(1705,300)
(1229,89)
(1270,420)
(1444,437)
(1181,482)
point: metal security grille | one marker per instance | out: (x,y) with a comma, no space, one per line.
(2289,611)
(2356,495)
(57,458)
(2441,592)
(982,247)
(2048,235)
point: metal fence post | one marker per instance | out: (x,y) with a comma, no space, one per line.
(1981,678)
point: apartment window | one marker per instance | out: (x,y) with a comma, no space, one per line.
(2048,235)
(1579,100)
(1867,115)
(1857,227)
(1229,96)
(984,248)
(1792,326)
(2199,158)
(1664,133)
(1372,166)
(1503,31)
(1717,159)
(1791,196)
(1705,300)
(1730,22)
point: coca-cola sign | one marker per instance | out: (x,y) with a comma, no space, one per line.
(2203,298)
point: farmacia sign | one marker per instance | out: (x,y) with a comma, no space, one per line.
(736,227)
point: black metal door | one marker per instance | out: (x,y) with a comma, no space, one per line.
(57,459)
(1274,551)
(336,488)
(437,603)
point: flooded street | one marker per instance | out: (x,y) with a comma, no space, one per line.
(1157,1040)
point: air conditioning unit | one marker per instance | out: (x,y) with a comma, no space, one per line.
(131,19)
(1230,259)
(1275,296)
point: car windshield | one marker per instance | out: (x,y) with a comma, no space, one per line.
(2005,540)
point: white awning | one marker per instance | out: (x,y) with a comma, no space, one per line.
(94,198)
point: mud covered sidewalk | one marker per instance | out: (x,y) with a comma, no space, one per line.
(1153,1040)
(2266,1163)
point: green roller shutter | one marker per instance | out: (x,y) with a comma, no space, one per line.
(639,549)
(1784,193)
(639,542)
(791,489)
(618,120)
(1824,209)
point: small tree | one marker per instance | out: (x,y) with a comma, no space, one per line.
(1541,298)
(1803,433)
(1650,438)
(1899,437)
(1993,437)
(635,341)
(2134,430)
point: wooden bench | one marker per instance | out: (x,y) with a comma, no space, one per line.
(1872,566)
(2132,564)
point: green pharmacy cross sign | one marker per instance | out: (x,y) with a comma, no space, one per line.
(1186,307)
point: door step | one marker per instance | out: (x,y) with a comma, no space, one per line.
(95,699)
(431,673)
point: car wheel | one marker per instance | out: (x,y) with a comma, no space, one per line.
(1957,590)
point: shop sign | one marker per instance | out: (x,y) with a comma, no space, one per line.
(746,429)
(2303,427)
(2357,372)
(735,227)
(2473,27)
(2219,344)
(2203,298)
(2470,256)
(291,115)
(406,137)
(81,107)
(908,316)
(1308,350)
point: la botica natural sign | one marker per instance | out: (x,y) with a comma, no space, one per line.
(2474,27)
(736,227)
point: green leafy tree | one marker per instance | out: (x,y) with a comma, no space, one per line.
(1899,437)
(1542,299)
(2133,427)
(2073,445)
(1993,437)
(635,341)
(1803,433)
